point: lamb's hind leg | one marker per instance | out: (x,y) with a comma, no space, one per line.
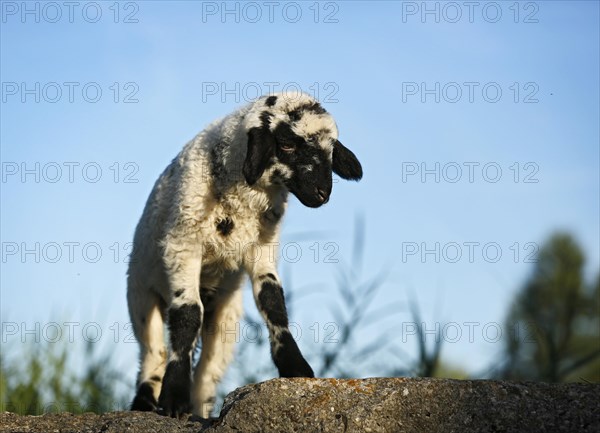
(184,319)
(220,332)
(146,311)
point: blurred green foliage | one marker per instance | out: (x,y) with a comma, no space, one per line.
(557,316)
(40,379)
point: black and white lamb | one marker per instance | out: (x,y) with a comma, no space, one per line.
(214,213)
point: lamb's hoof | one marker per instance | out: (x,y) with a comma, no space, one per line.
(144,399)
(174,399)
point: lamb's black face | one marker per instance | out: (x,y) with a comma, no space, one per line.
(298,148)
(308,166)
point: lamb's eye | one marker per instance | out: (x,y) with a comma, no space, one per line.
(287,147)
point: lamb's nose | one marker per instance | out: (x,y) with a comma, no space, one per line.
(323,196)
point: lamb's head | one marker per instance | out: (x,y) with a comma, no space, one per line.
(293,141)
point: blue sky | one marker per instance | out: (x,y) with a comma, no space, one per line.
(378,68)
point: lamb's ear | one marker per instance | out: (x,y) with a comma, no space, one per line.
(261,147)
(345,163)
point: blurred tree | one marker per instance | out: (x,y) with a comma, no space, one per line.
(555,320)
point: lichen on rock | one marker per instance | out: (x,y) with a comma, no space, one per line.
(360,405)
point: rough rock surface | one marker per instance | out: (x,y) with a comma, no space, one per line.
(361,405)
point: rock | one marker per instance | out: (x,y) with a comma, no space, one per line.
(112,422)
(361,405)
(409,405)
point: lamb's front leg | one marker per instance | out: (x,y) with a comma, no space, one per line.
(184,322)
(268,295)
